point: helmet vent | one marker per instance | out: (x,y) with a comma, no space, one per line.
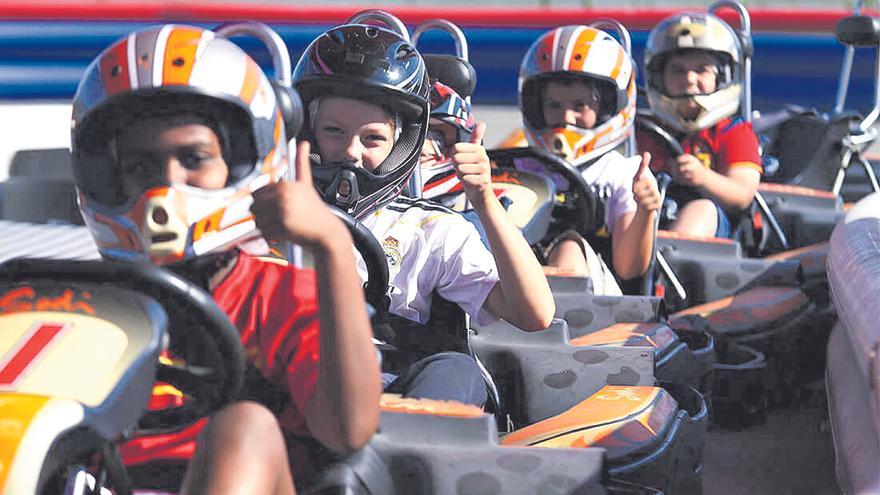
(178,62)
(116,70)
(160,216)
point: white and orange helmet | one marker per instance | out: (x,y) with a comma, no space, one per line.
(167,71)
(572,52)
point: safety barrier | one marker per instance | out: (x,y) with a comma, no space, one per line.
(852,376)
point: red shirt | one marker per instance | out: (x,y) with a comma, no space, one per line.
(729,144)
(275,308)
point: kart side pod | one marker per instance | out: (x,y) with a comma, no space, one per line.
(426,447)
(681,355)
(652,436)
(79,367)
(545,380)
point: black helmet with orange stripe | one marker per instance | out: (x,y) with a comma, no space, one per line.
(167,72)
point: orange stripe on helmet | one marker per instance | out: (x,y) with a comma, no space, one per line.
(581,50)
(211,223)
(592,143)
(544,52)
(268,163)
(618,64)
(251,82)
(115,69)
(180,55)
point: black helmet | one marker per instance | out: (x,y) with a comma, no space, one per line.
(376,65)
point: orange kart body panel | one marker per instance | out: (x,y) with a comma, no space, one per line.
(656,335)
(746,309)
(16,414)
(620,419)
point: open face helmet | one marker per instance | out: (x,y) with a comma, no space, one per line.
(378,66)
(571,54)
(688,32)
(449,110)
(164,73)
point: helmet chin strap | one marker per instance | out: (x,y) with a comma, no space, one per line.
(343,190)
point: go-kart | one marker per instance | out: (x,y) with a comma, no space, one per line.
(81,343)
(548,392)
(826,151)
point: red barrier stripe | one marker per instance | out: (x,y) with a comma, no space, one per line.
(763,19)
(34,344)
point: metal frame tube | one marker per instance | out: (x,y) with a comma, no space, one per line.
(277,48)
(626,41)
(625,38)
(283,76)
(871,118)
(745,31)
(461,46)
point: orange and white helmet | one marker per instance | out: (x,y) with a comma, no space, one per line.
(166,72)
(583,53)
(694,31)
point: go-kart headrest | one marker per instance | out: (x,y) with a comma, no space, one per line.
(858,30)
(452,71)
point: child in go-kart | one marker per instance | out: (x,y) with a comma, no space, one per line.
(366,92)
(578,99)
(451,122)
(166,157)
(694,83)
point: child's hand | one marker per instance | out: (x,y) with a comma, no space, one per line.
(472,167)
(689,170)
(644,187)
(293,210)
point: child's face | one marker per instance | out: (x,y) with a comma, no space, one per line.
(157,151)
(690,73)
(570,104)
(353,131)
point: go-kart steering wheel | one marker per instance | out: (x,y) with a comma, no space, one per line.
(667,140)
(376,286)
(200,332)
(578,205)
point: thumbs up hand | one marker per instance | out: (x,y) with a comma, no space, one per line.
(473,169)
(644,187)
(293,210)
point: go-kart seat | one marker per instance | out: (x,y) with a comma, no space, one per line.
(40,188)
(53,162)
(45,199)
(808,148)
(452,71)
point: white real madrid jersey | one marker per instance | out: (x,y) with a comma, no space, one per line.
(431,248)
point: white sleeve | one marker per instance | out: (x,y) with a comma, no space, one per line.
(621,173)
(468,272)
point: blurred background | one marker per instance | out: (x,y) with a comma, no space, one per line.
(45,46)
